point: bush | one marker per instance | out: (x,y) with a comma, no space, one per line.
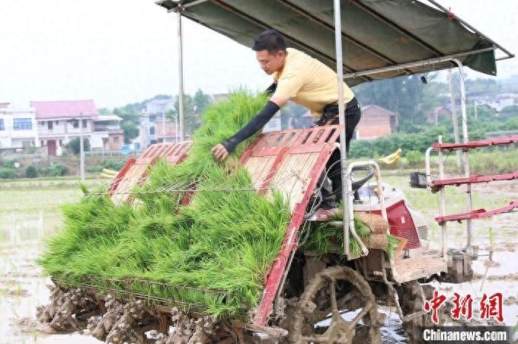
(7,173)
(74,146)
(94,168)
(56,170)
(113,164)
(8,163)
(414,158)
(31,172)
(423,137)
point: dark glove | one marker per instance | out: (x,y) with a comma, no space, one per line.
(255,124)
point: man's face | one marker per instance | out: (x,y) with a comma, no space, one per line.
(270,62)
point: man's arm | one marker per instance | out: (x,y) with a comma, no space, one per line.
(226,147)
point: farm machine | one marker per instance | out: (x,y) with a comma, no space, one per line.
(333,297)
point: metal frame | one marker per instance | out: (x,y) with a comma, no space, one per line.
(348,215)
(180,74)
(343,127)
(465,160)
(465,165)
(350,207)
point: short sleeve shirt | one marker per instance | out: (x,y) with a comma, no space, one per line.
(308,82)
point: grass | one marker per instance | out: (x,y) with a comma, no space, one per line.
(30,210)
(482,161)
(213,253)
(427,204)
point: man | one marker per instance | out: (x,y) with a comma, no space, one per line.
(297,77)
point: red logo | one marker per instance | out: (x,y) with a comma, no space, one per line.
(491,307)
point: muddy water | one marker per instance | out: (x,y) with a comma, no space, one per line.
(24,227)
(496,270)
(28,215)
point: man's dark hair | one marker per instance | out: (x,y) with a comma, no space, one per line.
(270,40)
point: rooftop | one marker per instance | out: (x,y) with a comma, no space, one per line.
(64,109)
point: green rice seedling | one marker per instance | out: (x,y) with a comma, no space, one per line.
(325,238)
(213,253)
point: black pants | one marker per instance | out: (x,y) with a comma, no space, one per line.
(353,115)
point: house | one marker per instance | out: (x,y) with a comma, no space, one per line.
(18,128)
(108,134)
(376,122)
(498,102)
(167,131)
(59,122)
(154,112)
(439,113)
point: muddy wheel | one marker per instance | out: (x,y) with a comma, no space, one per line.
(337,306)
(412,297)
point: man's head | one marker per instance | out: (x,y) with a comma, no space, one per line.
(270,50)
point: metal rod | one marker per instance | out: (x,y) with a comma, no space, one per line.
(343,124)
(176,128)
(442,204)
(81,149)
(463,22)
(349,208)
(504,58)
(180,75)
(454,118)
(163,126)
(182,7)
(422,63)
(465,152)
(428,168)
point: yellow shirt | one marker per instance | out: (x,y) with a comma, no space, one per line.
(308,82)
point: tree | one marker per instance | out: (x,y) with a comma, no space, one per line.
(104,111)
(408,96)
(74,146)
(201,101)
(192,120)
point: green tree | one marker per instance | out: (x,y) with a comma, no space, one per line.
(74,146)
(104,111)
(192,120)
(408,96)
(201,101)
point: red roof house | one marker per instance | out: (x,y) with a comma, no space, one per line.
(64,109)
(376,122)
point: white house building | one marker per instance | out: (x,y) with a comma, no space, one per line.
(108,135)
(18,128)
(153,114)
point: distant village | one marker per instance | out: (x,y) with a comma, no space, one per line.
(49,126)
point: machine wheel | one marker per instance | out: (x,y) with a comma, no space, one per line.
(331,294)
(411,296)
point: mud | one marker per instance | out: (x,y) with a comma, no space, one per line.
(23,287)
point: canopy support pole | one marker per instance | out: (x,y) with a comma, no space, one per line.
(348,223)
(180,74)
(454,118)
(465,162)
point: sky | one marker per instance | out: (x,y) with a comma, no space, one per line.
(122,51)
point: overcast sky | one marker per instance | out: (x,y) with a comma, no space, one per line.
(121,51)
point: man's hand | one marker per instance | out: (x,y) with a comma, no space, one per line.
(219,152)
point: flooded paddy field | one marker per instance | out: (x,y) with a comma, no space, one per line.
(30,213)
